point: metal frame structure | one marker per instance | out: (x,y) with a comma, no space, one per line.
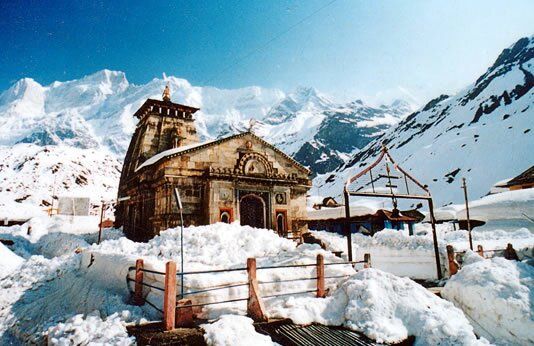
(392,193)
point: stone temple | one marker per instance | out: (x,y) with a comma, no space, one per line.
(240,177)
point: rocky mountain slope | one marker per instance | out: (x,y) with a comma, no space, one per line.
(484,133)
(32,174)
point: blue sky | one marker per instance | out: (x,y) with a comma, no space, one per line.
(376,50)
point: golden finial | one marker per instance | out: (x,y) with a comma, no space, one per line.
(167,93)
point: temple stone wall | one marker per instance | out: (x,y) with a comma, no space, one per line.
(216,180)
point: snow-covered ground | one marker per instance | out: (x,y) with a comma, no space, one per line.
(61,285)
(56,281)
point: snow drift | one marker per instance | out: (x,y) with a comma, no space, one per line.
(385,308)
(497,296)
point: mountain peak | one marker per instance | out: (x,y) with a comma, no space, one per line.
(518,52)
(24,85)
(25,96)
(308,97)
(356,103)
(305,91)
(109,78)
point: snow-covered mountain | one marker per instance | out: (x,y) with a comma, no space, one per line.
(95,112)
(322,134)
(485,133)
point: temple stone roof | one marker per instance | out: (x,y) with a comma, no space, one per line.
(165,105)
(198,146)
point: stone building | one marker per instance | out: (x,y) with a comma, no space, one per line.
(240,177)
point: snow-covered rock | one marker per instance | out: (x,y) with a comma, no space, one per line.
(95,112)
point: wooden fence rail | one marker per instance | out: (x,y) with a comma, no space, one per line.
(455,258)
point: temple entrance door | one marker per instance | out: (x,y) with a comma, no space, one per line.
(252,211)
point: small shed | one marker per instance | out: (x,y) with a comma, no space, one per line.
(525,180)
(366,223)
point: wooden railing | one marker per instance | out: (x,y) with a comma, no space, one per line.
(455,258)
(179,312)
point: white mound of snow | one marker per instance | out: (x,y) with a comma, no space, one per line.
(234,330)
(471,257)
(57,244)
(219,246)
(55,236)
(385,308)
(91,330)
(8,261)
(494,241)
(497,296)
(12,210)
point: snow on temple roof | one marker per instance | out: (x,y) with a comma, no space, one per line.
(197,146)
(173,151)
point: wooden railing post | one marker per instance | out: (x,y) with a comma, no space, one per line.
(255,308)
(367,260)
(480,250)
(453,265)
(138,289)
(184,315)
(320,277)
(169,296)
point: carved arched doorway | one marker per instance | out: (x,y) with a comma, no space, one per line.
(252,211)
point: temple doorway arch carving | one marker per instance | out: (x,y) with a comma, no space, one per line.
(253,211)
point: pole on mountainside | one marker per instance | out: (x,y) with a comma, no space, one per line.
(179,204)
(464,186)
(347,225)
(100,225)
(51,210)
(434,237)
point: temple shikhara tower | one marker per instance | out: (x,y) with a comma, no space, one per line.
(240,177)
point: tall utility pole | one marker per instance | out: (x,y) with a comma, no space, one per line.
(101,220)
(51,210)
(464,186)
(179,205)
